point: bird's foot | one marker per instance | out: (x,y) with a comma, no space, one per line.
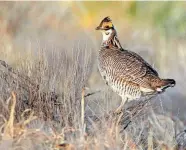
(118,110)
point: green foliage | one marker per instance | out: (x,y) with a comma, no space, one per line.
(133,9)
(167,17)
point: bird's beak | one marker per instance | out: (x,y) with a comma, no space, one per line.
(98,28)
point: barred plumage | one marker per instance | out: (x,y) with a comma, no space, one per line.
(126,72)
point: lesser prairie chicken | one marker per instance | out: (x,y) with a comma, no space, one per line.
(127,73)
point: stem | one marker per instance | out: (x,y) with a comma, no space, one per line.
(83,109)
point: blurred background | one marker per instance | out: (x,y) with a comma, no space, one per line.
(155,30)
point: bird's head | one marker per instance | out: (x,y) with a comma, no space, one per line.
(106,27)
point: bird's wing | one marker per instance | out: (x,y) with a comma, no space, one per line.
(131,67)
(142,60)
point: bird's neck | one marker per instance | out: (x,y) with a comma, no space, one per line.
(112,41)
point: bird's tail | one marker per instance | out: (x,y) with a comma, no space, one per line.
(166,83)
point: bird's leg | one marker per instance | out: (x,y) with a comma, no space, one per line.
(124,99)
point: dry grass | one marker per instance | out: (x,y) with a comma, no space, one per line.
(17,135)
(108,133)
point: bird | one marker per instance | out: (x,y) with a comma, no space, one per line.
(126,72)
